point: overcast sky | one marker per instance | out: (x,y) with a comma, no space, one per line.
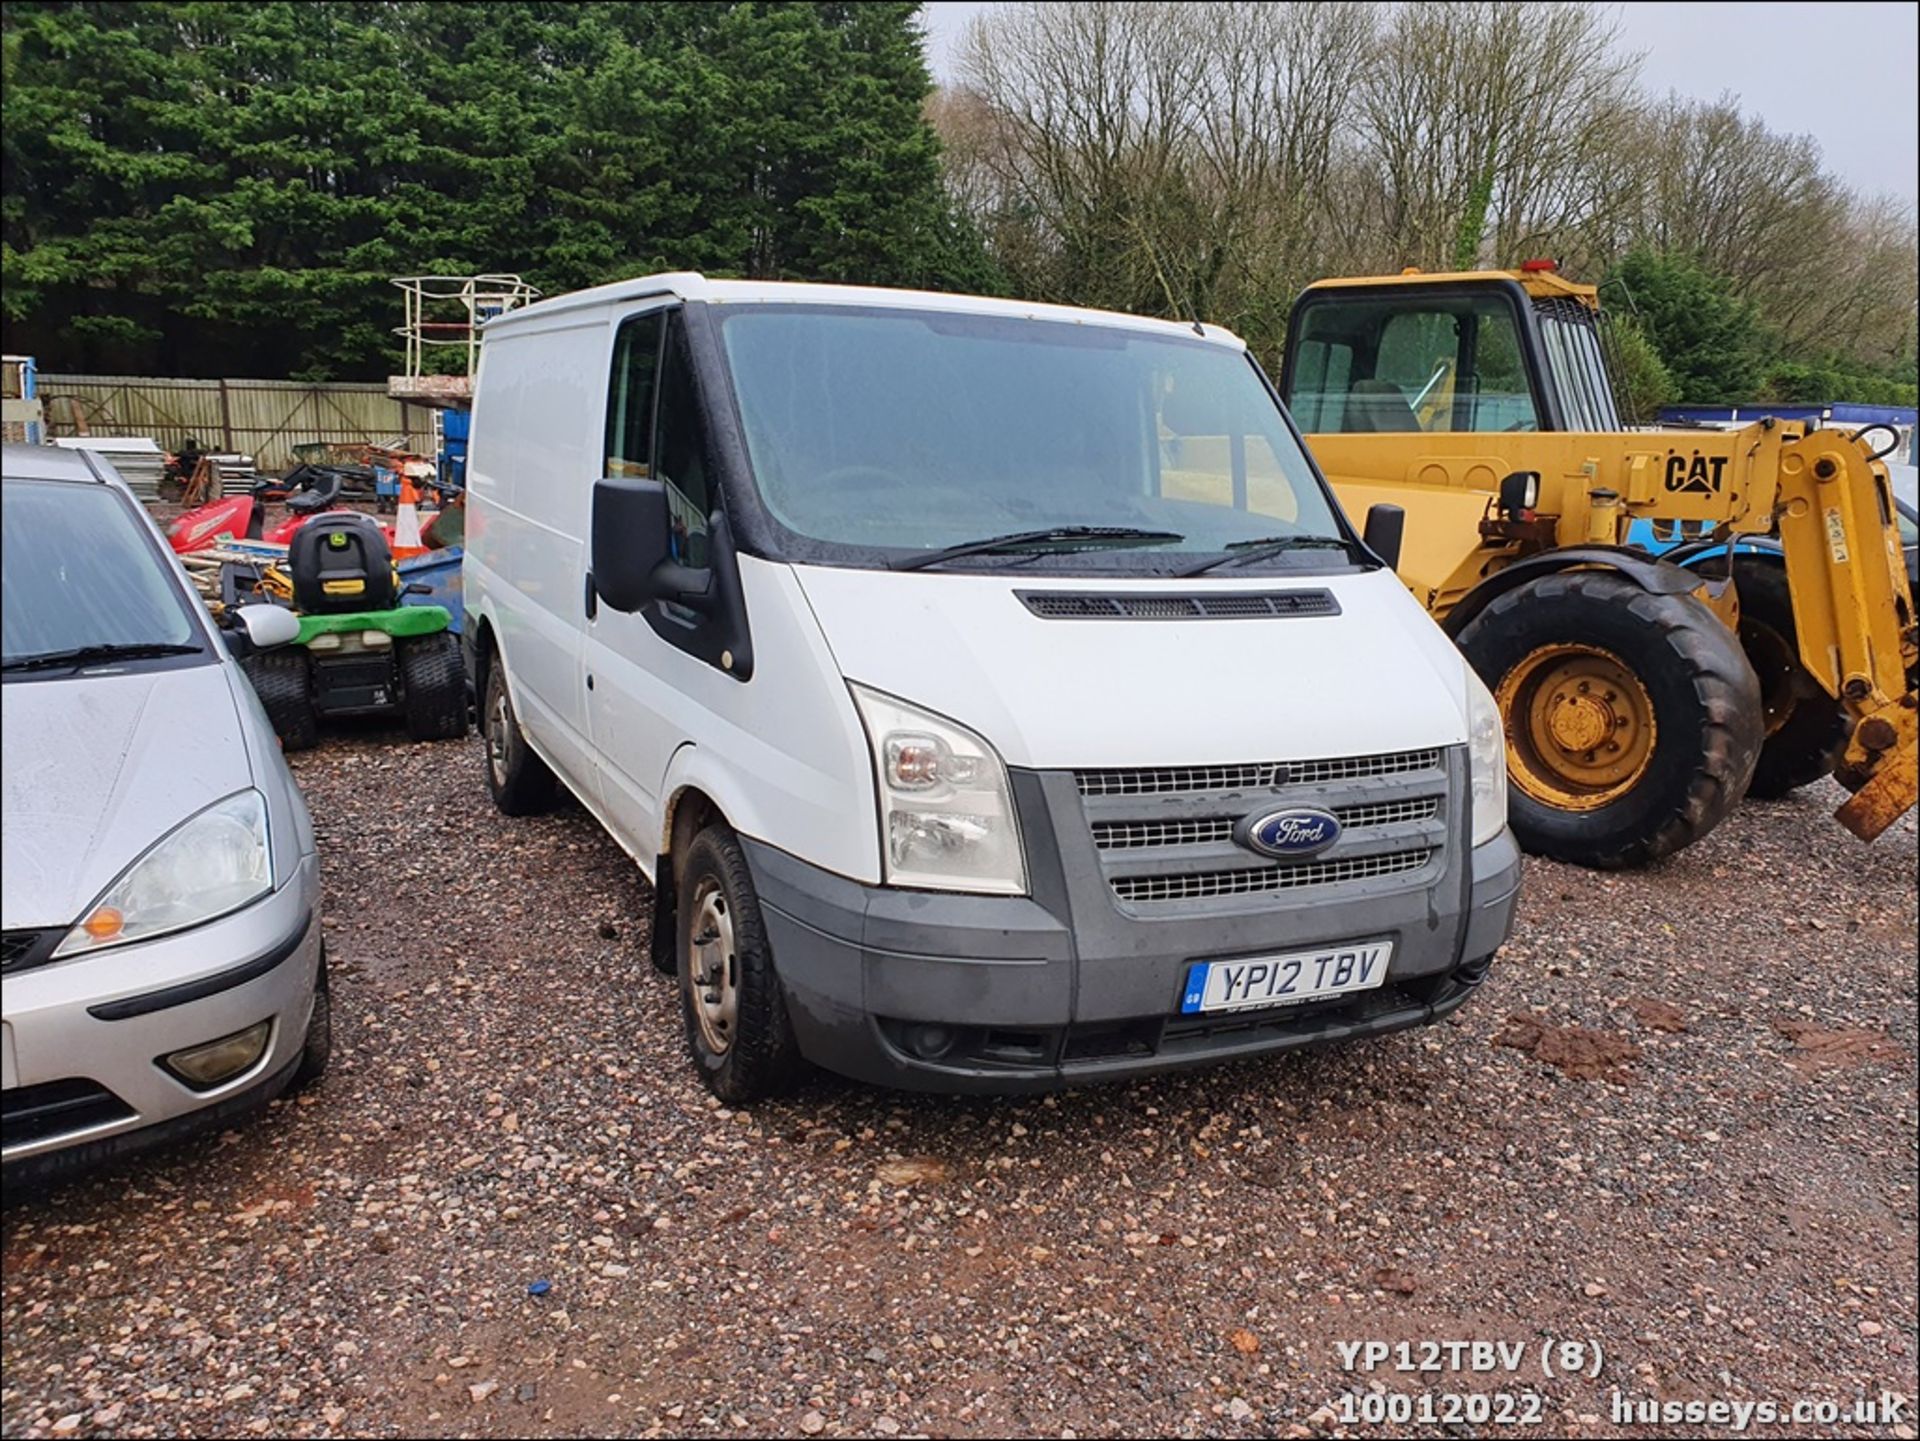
(1841,73)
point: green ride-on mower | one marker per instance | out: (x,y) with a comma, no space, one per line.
(359,652)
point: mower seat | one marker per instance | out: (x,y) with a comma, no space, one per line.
(341,562)
(322,493)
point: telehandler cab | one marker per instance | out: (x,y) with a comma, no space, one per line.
(1641,696)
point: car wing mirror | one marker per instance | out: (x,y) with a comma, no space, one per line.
(268,626)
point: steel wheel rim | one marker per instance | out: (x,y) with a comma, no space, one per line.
(713,967)
(497,737)
(1580,726)
(1776,662)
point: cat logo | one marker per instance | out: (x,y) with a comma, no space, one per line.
(1704,475)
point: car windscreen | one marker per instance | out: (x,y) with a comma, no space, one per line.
(877,432)
(80,574)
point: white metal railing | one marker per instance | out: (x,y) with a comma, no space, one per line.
(450,309)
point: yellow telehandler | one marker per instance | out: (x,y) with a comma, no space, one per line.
(1770,643)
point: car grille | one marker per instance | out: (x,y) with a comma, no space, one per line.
(1165,835)
(22,950)
(57,1108)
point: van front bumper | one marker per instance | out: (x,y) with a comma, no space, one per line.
(991,994)
(86,1036)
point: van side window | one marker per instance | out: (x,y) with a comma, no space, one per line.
(680,447)
(636,364)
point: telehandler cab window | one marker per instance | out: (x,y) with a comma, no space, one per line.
(1394,364)
(1576,361)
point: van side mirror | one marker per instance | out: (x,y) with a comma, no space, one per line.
(1386,528)
(632,549)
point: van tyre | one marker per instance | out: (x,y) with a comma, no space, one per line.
(1633,720)
(317,1050)
(520,781)
(736,1015)
(1807,729)
(433,682)
(284,684)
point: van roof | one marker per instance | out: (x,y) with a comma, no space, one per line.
(691,285)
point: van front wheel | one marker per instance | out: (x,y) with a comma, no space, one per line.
(737,1027)
(519,780)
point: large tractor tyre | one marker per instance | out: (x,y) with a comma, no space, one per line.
(433,683)
(736,1015)
(285,686)
(1633,720)
(1807,729)
(519,780)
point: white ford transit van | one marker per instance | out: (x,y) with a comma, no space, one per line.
(993,692)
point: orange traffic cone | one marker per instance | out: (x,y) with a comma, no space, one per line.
(406,525)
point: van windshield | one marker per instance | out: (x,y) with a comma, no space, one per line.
(884,432)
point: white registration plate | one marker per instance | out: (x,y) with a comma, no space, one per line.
(9,1068)
(1285,980)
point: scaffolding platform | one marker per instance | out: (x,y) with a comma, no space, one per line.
(445,313)
(436,390)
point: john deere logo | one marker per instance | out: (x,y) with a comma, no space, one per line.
(338,540)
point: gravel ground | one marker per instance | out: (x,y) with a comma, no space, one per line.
(1678,1123)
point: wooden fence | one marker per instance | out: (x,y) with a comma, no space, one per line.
(261,418)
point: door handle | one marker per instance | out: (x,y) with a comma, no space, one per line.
(592,598)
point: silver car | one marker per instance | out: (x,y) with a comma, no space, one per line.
(163,963)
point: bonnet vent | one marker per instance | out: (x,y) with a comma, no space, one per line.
(1166,605)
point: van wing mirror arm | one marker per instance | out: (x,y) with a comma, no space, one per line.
(684,585)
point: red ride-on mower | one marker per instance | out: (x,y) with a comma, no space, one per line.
(359,652)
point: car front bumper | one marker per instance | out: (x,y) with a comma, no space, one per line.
(85,1035)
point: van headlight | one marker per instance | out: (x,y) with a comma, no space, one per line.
(210,864)
(1486,759)
(946,813)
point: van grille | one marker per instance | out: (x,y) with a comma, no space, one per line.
(1134,835)
(1167,834)
(1149,605)
(1263,775)
(1136,889)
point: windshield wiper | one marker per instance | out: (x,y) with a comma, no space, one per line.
(1063,537)
(89,654)
(1242,551)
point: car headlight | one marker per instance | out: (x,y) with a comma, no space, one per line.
(946,813)
(210,864)
(1486,760)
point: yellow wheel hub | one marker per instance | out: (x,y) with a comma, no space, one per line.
(1580,726)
